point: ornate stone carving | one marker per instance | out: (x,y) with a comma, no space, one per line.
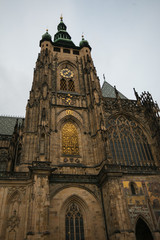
(13,221)
(154,189)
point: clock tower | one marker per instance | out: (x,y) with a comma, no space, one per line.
(62,138)
(84,163)
(64,100)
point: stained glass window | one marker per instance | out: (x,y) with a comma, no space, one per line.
(74,223)
(70,144)
(128,144)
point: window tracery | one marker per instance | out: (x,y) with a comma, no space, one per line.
(70,145)
(74,223)
(128,144)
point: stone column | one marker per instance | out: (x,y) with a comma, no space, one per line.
(38,222)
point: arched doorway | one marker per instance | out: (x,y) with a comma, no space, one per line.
(142,231)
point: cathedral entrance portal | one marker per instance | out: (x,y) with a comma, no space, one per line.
(142,231)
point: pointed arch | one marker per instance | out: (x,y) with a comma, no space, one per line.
(74,209)
(14,201)
(142,231)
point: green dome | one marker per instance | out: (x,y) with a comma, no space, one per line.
(46,36)
(62,37)
(84,43)
(61,26)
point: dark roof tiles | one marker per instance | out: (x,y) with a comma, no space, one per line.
(109,91)
(7,124)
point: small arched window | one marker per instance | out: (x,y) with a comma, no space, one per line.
(133,188)
(70,145)
(63,85)
(74,225)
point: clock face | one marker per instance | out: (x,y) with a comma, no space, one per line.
(66,73)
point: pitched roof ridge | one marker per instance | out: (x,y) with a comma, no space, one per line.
(111,92)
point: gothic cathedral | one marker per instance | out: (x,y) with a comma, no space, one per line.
(84,164)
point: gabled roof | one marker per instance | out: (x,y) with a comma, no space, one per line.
(109,91)
(7,124)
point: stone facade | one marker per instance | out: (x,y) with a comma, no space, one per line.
(81,165)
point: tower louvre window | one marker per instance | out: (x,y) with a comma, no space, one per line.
(128,143)
(71,86)
(74,223)
(67,85)
(63,85)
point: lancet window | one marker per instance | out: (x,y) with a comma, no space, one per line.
(63,85)
(74,225)
(70,145)
(128,144)
(133,188)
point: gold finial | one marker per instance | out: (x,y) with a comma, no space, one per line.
(82,36)
(61,17)
(46,30)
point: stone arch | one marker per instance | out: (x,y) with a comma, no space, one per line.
(90,208)
(12,217)
(74,115)
(77,124)
(127,141)
(68,84)
(142,229)
(65,63)
(76,202)
(60,188)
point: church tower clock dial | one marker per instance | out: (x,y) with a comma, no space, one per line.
(66,73)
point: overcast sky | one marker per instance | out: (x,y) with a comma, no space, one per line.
(124,36)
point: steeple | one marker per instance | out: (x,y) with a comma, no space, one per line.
(62,37)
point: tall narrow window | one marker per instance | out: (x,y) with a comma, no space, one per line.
(133,188)
(71,86)
(74,223)
(63,85)
(42,144)
(70,144)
